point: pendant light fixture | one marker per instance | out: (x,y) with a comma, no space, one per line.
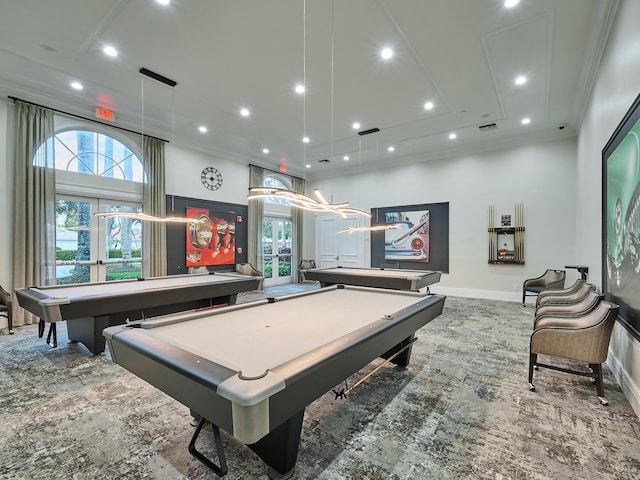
(300,200)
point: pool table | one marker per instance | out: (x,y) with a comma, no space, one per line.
(391,278)
(251,369)
(89,308)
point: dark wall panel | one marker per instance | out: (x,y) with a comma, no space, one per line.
(177,233)
(438,234)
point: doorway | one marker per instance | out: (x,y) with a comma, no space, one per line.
(335,249)
(277,255)
(90,248)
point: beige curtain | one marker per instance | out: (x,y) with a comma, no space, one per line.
(154,203)
(33,260)
(255,212)
(297,216)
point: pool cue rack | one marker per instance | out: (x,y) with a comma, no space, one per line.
(506,242)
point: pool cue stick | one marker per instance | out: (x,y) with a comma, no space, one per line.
(343,393)
(491,249)
(517,232)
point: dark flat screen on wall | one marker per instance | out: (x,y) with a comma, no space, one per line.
(415,237)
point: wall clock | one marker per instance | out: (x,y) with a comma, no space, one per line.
(211,178)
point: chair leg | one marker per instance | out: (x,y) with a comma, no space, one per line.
(533,357)
(597,370)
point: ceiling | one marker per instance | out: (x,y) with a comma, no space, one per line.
(462,55)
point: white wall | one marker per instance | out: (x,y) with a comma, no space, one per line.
(183,169)
(541,176)
(616,87)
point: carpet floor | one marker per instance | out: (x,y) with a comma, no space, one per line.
(462,410)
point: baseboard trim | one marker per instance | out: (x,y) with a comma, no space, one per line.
(630,389)
(483,294)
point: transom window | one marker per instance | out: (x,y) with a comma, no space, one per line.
(273,181)
(93,153)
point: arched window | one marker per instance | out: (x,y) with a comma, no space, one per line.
(276,181)
(94,153)
(96,171)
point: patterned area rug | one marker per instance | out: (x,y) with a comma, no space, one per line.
(462,410)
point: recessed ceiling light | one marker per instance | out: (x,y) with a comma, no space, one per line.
(163,2)
(391,149)
(265,150)
(300,89)
(308,166)
(526,121)
(356,125)
(346,158)
(245,112)
(511,3)
(452,136)
(111,51)
(305,139)
(386,53)
(202,129)
(521,80)
(428,106)
(76,85)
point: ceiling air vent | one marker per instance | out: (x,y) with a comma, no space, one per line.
(487,127)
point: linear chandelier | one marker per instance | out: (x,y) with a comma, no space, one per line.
(150,218)
(304,202)
(375,228)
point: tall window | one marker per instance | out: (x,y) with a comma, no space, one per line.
(96,172)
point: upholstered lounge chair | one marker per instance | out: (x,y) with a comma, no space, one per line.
(6,309)
(563,291)
(578,294)
(248,269)
(573,308)
(303,267)
(581,339)
(550,280)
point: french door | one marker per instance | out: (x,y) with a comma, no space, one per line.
(277,246)
(335,249)
(92,248)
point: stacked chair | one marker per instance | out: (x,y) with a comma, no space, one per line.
(573,324)
(566,296)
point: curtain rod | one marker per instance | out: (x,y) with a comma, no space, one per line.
(276,171)
(85,118)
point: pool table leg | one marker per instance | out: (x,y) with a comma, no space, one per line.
(279,449)
(402,360)
(88,331)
